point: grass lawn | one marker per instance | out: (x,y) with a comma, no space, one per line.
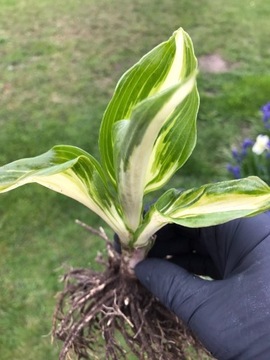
(60,61)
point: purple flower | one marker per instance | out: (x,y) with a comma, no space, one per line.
(240,155)
(265,109)
(247,143)
(236,155)
(235,170)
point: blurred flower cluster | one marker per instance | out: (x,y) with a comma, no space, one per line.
(252,157)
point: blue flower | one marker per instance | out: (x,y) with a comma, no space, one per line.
(235,170)
(265,109)
(247,143)
(236,155)
(252,157)
(240,155)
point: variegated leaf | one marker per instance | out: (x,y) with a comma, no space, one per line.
(174,144)
(207,205)
(135,142)
(71,172)
(166,65)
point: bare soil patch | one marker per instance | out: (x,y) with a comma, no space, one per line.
(214,63)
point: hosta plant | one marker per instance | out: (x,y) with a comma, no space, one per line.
(147,133)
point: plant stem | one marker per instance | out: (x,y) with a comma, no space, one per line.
(130,258)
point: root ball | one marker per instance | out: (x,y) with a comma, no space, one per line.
(111,313)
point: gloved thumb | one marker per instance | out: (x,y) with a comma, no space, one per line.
(176,288)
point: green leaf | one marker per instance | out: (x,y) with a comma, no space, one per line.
(166,65)
(135,140)
(207,205)
(71,172)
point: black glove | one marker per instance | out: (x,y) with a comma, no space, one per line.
(231,314)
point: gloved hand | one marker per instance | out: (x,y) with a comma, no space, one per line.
(231,314)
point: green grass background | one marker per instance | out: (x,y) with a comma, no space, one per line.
(59,63)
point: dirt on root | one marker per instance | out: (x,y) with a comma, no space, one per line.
(111,313)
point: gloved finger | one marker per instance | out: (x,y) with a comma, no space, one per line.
(179,290)
(167,242)
(170,246)
(175,231)
(230,243)
(163,247)
(178,245)
(175,239)
(197,264)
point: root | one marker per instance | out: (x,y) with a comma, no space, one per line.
(112,314)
